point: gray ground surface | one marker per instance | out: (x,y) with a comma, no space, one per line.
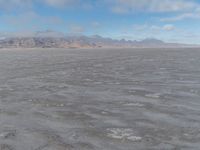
(100,99)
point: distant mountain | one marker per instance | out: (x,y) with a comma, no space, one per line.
(44,40)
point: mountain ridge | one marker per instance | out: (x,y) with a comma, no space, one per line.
(95,41)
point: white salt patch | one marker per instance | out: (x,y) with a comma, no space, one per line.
(88,80)
(155,95)
(117,83)
(62,105)
(134,138)
(103,112)
(123,134)
(2,135)
(194,91)
(134,104)
(7,134)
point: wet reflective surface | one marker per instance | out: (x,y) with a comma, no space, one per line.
(147,99)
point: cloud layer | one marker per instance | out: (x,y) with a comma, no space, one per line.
(9,5)
(118,6)
(131,6)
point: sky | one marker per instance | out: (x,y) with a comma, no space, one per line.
(167,20)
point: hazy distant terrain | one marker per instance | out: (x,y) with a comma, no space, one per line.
(82,42)
(111,99)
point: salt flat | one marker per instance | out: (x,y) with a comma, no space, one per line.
(117,99)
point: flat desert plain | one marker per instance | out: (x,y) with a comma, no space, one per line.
(106,99)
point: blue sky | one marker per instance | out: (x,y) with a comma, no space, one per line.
(168,20)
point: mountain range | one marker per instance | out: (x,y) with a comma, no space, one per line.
(95,41)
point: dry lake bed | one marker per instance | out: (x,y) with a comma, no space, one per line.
(122,99)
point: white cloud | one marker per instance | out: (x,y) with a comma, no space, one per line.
(27,4)
(119,10)
(117,6)
(153,28)
(197,10)
(30,21)
(60,3)
(76,29)
(48,33)
(130,6)
(27,33)
(182,17)
(9,5)
(168,27)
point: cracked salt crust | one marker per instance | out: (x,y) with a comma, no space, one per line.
(123,134)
